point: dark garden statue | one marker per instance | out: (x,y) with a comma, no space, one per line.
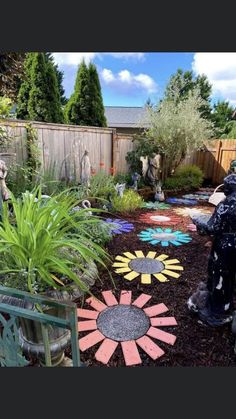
(151,171)
(213,301)
(135,178)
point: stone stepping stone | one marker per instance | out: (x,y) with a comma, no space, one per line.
(181,201)
(164,237)
(136,264)
(156,218)
(127,324)
(118,226)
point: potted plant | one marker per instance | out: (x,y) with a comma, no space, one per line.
(45,249)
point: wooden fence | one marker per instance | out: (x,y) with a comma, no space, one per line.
(64,145)
(214,158)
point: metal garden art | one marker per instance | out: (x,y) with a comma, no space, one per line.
(164,237)
(12,340)
(213,300)
(118,226)
(156,218)
(126,323)
(151,265)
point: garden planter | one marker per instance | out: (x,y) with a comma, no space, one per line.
(30,333)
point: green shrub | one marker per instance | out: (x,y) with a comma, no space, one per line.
(36,243)
(130,201)
(101,185)
(186,177)
(123,178)
(99,233)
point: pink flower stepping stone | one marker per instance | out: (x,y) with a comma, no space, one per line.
(98,305)
(87,325)
(109,298)
(125,297)
(153,350)
(161,335)
(87,314)
(90,340)
(131,353)
(163,321)
(106,350)
(142,300)
(155,310)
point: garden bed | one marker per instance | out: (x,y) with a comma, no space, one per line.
(196,344)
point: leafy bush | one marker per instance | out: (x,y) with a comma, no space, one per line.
(130,201)
(36,243)
(5,107)
(99,232)
(186,177)
(101,185)
(123,178)
(143,147)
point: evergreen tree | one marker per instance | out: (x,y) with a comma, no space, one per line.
(221,116)
(184,82)
(23,94)
(85,106)
(97,111)
(60,76)
(54,97)
(77,110)
(39,96)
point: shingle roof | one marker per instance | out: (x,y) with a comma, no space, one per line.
(127,117)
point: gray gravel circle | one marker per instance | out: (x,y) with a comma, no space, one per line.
(146,265)
(123,322)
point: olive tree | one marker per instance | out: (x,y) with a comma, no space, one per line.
(177,128)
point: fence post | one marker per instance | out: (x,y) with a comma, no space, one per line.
(216,162)
(115,151)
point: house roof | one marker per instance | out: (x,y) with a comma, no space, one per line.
(126,116)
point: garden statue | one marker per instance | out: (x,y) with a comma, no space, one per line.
(151,170)
(85,169)
(86,204)
(120,187)
(135,178)
(159,194)
(213,301)
(232,167)
(3,188)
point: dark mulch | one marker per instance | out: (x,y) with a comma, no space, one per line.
(196,344)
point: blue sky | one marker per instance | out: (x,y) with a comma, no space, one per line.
(129,79)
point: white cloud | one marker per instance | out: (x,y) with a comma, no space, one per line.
(75,58)
(107,75)
(128,81)
(220,69)
(127,55)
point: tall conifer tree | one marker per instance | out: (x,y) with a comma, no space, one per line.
(85,106)
(39,96)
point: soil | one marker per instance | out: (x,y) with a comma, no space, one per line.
(196,344)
